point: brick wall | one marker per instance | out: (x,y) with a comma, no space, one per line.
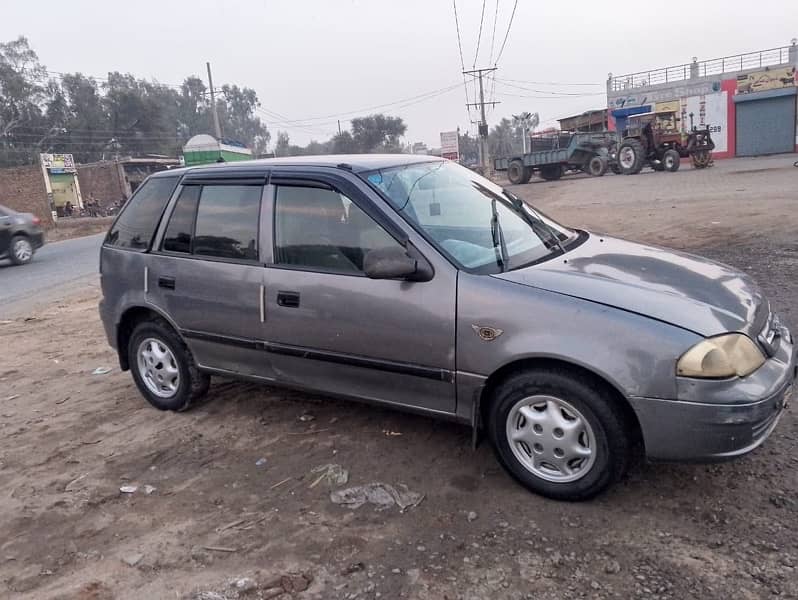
(22,189)
(103,182)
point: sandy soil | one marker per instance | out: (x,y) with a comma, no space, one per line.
(78,227)
(236,511)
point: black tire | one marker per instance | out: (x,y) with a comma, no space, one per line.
(613,439)
(634,165)
(192,383)
(671,161)
(21,250)
(551,172)
(597,166)
(517,173)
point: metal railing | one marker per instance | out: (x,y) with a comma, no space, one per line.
(705,68)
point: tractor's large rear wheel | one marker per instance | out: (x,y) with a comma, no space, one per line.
(551,172)
(631,156)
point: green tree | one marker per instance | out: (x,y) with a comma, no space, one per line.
(378,133)
(21,97)
(343,143)
(239,122)
(282,145)
(504,139)
(469,148)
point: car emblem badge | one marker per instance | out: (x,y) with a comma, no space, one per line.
(487,334)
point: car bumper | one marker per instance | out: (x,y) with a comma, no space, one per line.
(108,324)
(36,239)
(719,420)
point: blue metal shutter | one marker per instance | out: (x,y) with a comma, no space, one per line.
(766,126)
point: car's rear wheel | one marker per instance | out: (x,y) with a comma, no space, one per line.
(21,250)
(558,433)
(163,367)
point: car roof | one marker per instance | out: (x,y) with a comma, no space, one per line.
(357,163)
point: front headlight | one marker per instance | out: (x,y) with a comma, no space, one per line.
(723,356)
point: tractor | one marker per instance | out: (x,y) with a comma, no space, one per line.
(652,139)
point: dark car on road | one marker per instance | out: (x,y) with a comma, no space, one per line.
(412,282)
(20,235)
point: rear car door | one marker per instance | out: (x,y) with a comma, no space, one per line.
(329,327)
(207,275)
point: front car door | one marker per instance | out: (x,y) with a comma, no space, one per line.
(328,326)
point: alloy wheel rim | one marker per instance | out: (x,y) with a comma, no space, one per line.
(158,368)
(23,250)
(551,438)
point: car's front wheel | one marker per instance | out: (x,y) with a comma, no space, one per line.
(21,250)
(163,367)
(558,434)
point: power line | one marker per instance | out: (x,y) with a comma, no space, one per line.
(404,102)
(493,35)
(462,62)
(507,34)
(510,94)
(551,93)
(551,82)
(479,36)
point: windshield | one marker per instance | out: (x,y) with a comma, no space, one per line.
(476,223)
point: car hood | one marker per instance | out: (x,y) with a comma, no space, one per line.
(688,291)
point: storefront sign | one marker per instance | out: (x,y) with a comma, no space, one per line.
(642,98)
(672,106)
(58,163)
(769,79)
(708,111)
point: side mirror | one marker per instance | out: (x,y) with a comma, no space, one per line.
(395,263)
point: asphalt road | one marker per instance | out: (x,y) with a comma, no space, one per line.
(63,265)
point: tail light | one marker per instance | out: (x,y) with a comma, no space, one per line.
(37,221)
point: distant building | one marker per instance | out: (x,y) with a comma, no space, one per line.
(419,148)
(592,120)
(205,149)
(747,101)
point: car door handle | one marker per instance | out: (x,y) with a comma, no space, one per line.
(168,283)
(288,299)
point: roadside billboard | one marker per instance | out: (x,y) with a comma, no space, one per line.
(769,79)
(58,163)
(450,145)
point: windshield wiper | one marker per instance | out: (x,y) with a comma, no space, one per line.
(520,205)
(496,233)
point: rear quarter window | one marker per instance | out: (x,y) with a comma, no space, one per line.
(136,225)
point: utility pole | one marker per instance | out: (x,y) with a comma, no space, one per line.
(339,126)
(483,124)
(217,127)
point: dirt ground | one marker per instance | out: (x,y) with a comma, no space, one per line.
(68,228)
(235,511)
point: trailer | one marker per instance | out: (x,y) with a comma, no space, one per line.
(553,155)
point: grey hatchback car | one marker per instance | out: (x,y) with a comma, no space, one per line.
(415,283)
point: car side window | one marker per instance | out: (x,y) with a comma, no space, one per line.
(324,230)
(136,225)
(180,230)
(227,222)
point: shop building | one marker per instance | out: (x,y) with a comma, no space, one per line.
(749,101)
